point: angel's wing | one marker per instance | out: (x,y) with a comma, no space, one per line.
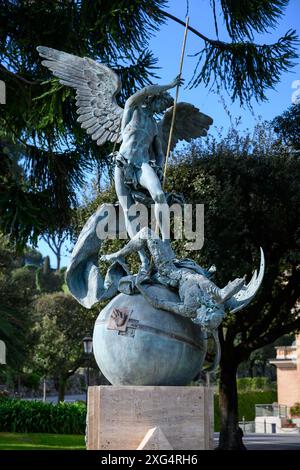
(96,88)
(190,123)
(246,294)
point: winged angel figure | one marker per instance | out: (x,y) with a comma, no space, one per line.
(141,156)
(139,164)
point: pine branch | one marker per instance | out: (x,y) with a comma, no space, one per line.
(137,74)
(245,16)
(18,77)
(190,28)
(245,70)
(213,5)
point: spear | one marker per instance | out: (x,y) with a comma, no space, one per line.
(175,103)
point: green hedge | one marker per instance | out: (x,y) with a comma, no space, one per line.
(69,418)
(247,402)
(35,416)
(247,384)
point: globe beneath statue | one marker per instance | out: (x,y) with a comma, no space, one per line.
(136,344)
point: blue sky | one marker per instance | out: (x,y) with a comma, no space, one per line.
(166,46)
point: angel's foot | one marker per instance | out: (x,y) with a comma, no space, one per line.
(109,258)
(232,288)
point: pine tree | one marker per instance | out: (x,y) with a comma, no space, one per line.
(287,126)
(45,154)
(39,118)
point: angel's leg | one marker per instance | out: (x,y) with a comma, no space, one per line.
(126,201)
(161,251)
(136,244)
(149,180)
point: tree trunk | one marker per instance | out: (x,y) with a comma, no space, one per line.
(231,434)
(62,382)
(251,368)
(58,261)
(44,389)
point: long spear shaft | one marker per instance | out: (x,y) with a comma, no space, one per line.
(175,103)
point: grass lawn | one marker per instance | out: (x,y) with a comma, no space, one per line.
(18,441)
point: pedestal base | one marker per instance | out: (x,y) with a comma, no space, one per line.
(123,418)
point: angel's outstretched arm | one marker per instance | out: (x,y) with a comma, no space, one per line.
(151,90)
(175,307)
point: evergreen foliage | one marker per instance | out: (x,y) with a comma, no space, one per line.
(244,68)
(17,287)
(45,155)
(38,122)
(287,126)
(60,326)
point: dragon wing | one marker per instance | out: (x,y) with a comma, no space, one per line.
(96,88)
(190,123)
(247,292)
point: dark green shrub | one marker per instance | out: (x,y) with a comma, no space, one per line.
(4,395)
(295,409)
(35,416)
(247,402)
(24,278)
(31,381)
(244,384)
(247,384)
(48,280)
(261,383)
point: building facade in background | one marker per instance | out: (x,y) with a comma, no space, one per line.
(287,365)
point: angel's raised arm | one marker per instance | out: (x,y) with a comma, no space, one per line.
(150,90)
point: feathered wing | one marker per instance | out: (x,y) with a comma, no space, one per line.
(96,88)
(247,293)
(190,123)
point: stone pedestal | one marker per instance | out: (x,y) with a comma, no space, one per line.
(150,417)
